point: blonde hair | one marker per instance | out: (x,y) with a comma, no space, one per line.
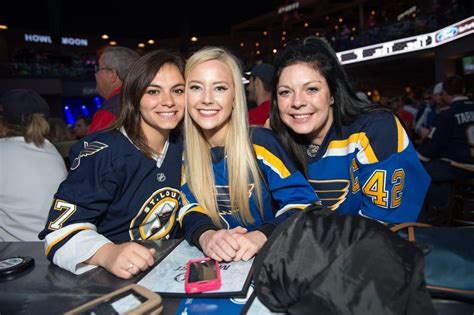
(35,129)
(241,160)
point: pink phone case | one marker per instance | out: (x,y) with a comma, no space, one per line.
(205,285)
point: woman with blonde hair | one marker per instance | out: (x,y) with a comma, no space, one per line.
(237,184)
(31,168)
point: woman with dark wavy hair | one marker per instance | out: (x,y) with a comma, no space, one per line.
(356,155)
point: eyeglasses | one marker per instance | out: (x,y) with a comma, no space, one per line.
(97,68)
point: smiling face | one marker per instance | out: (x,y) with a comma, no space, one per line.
(304,101)
(162,104)
(210,97)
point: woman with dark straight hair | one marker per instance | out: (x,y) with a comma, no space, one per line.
(124,183)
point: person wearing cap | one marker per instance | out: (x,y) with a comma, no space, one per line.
(448,150)
(110,71)
(259,91)
(429,112)
(31,168)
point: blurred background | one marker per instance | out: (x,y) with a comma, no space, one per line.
(389,48)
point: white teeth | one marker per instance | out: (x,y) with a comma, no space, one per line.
(208,111)
(167,114)
(301,116)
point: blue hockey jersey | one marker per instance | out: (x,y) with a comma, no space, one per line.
(284,190)
(452,136)
(116,190)
(371,168)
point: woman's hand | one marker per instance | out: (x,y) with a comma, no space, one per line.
(249,244)
(124,260)
(221,244)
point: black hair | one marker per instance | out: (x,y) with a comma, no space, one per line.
(454,85)
(346,107)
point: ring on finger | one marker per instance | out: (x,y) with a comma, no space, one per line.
(130,266)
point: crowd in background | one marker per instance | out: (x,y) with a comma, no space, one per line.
(379,26)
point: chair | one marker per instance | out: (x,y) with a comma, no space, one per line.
(451,307)
(461,203)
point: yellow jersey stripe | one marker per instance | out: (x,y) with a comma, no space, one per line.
(184,200)
(63,237)
(400,136)
(183,175)
(271,160)
(195,209)
(356,140)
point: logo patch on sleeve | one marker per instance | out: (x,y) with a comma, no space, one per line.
(89,149)
(332,192)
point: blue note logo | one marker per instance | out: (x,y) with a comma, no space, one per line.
(89,149)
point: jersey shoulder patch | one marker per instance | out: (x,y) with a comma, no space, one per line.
(90,148)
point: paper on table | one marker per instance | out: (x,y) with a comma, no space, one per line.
(256,307)
(168,276)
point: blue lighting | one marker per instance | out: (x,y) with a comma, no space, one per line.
(85,111)
(97,101)
(69,117)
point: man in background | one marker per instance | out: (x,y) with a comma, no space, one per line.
(81,126)
(427,114)
(110,71)
(448,150)
(259,91)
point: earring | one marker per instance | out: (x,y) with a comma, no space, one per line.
(331,101)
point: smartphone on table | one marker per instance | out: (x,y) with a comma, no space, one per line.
(129,300)
(202,275)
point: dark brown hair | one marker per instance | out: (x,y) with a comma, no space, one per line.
(141,74)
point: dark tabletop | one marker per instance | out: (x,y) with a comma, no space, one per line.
(48,289)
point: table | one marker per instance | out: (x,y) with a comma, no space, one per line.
(48,289)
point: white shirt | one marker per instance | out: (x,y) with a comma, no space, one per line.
(29,178)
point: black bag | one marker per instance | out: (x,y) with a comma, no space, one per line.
(324,263)
(449,258)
